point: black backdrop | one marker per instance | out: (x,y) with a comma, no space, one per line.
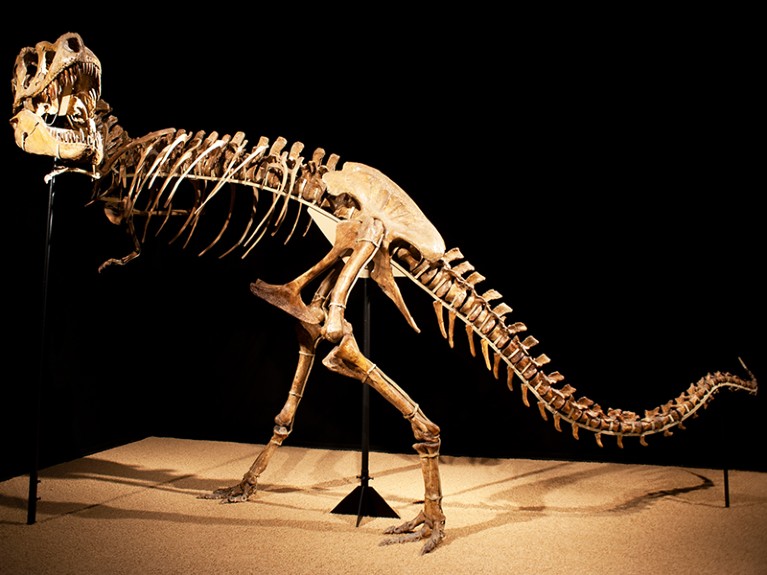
(598,177)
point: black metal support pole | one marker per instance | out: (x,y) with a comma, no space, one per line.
(724,442)
(364,500)
(365,459)
(37,392)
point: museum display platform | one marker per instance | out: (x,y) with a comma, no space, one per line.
(135,509)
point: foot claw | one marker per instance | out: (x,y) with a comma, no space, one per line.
(402,538)
(235,494)
(432,532)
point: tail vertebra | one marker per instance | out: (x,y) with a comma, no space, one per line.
(453,288)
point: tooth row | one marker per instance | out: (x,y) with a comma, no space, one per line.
(454,288)
(90,138)
(70,81)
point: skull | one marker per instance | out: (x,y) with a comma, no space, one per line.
(56,89)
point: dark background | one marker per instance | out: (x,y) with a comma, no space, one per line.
(596,173)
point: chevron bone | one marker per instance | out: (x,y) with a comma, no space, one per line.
(453,284)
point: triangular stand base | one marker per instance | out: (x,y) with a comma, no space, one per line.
(364,501)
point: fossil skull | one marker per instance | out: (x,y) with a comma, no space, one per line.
(56,90)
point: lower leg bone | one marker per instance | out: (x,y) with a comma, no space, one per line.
(347,359)
(308,338)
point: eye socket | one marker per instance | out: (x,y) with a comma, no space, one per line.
(27,68)
(73,44)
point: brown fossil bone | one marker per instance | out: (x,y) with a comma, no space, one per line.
(171,179)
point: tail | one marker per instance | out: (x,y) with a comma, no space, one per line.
(452,283)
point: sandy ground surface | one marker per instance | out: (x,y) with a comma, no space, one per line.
(135,510)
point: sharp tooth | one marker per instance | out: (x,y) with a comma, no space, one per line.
(76,107)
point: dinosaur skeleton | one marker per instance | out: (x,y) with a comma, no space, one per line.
(378,229)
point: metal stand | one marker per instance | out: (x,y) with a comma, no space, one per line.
(364,500)
(37,393)
(724,454)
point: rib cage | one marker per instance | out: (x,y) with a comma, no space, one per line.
(143,178)
(452,283)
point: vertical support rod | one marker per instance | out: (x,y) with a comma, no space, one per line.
(37,393)
(364,500)
(365,457)
(724,453)
(365,388)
